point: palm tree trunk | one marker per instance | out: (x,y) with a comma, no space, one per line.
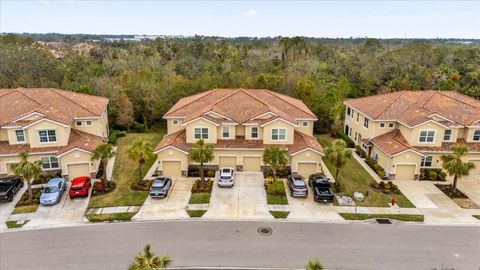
(105,180)
(454,186)
(337,181)
(274,171)
(140,171)
(202,177)
(30,193)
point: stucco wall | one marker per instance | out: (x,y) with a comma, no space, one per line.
(200,123)
(171,128)
(248,133)
(78,157)
(307,156)
(306,130)
(172,154)
(62,134)
(267,132)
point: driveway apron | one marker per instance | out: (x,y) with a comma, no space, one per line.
(171,207)
(7,207)
(245,200)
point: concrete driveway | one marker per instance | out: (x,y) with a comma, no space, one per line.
(308,209)
(67,211)
(470,185)
(171,207)
(246,200)
(434,204)
(7,208)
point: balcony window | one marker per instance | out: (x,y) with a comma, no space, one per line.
(20,135)
(50,163)
(365,122)
(47,135)
(225,132)
(382,125)
(358,116)
(426,136)
(254,132)
(476,135)
(201,133)
(391,125)
(279,134)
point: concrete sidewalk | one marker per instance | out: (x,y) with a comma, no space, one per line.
(110,165)
(113,210)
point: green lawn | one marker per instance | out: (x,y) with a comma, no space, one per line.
(402,217)
(110,217)
(196,213)
(476,216)
(125,172)
(199,198)
(13,224)
(277,199)
(280,214)
(353,177)
(25,209)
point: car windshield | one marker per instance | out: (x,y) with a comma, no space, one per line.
(158,184)
(298,183)
(77,187)
(225,177)
(50,189)
(323,190)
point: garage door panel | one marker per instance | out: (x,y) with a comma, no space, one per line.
(306,169)
(405,172)
(172,168)
(227,162)
(475,171)
(76,170)
(252,163)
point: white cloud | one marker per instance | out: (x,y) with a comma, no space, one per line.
(251,13)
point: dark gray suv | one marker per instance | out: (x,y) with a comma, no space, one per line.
(160,187)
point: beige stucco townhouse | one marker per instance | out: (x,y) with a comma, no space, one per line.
(58,127)
(409,130)
(240,123)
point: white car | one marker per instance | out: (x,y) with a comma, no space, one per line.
(227,177)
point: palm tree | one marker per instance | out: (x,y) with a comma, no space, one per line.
(146,260)
(338,154)
(103,152)
(201,153)
(27,171)
(454,164)
(275,158)
(314,265)
(140,151)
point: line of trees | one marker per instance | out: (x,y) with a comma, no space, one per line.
(144,79)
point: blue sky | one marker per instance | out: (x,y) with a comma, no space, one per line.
(381,19)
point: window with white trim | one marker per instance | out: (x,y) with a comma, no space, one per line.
(348,111)
(47,135)
(391,125)
(476,135)
(79,123)
(382,125)
(304,124)
(88,123)
(426,136)
(49,163)
(358,116)
(279,134)
(201,133)
(365,122)
(426,161)
(356,135)
(254,132)
(351,115)
(175,122)
(447,135)
(20,135)
(225,132)
(375,156)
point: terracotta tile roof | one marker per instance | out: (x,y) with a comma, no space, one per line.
(391,142)
(415,107)
(301,142)
(57,105)
(240,105)
(78,139)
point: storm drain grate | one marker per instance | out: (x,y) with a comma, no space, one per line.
(383,221)
(266,231)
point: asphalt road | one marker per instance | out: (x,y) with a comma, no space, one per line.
(222,243)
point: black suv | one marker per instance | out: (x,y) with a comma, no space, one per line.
(322,192)
(9,186)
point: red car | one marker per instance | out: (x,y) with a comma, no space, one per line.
(80,186)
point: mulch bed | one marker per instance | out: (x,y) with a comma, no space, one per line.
(458,197)
(99,190)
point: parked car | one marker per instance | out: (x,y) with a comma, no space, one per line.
(227,177)
(9,186)
(160,186)
(80,187)
(52,192)
(297,186)
(322,191)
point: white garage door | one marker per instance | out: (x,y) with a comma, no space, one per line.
(76,170)
(405,172)
(252,163)
(306,169)
(227,162)
(172,168)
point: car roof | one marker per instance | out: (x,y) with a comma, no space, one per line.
(79,180)
(226,168)
(55,181)
(297,177)
(161,179)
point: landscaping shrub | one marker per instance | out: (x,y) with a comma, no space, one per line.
(41,179)
(281,172)
(386,187)
(142,185)
(199,188)
(121,133)
(343,136)
(140,127)
(99,189)
(360,151)
(448,190)
(210,173)
(375,166)
(433,174)
(275,188)
(24,199)
(194,171)
(113,137)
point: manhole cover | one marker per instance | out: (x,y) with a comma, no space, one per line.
(265,231)
(383,221)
